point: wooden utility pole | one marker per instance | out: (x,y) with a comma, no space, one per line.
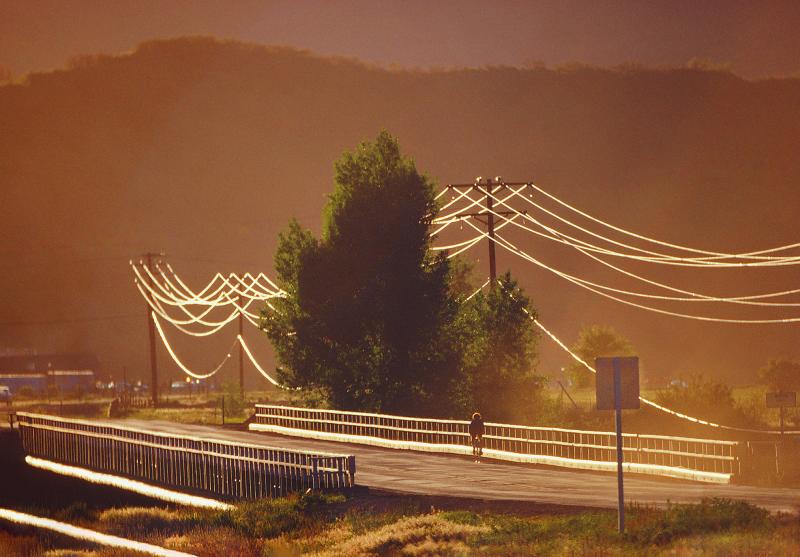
(490,229)
(241,348)
(151,329)
(491,186)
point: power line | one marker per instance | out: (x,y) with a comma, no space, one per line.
(592,287)
(659,242)
(695,297)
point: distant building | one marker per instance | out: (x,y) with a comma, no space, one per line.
(66,372)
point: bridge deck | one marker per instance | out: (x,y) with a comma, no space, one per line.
(434,474)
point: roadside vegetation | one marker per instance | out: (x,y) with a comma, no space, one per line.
(376,524)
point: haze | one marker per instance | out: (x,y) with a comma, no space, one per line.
(205,148)
(756,39)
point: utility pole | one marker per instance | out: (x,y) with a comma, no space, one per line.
(490,229)
(241,348)
(491,186)
(152,334)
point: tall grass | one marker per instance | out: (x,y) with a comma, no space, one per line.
(330,525)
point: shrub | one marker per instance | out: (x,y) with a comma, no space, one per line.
(235,403)
(75,512)
(268,518)
(707,399)
(710,515)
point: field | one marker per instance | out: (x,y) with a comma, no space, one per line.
(381,524)
(205,408)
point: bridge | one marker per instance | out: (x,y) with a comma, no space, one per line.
(197,463)
(234,464)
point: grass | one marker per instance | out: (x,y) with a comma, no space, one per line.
(368,525)
(197,408)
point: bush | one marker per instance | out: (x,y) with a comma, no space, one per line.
(706,399)
(75,512)
(235,403)
(268,518)
(710,515)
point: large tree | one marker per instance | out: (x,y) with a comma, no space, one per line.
(781,375)
(595,341)
(370,318)
(499,364)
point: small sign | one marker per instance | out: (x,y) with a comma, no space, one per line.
(785,399)
(629,382)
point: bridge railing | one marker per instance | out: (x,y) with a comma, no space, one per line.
(225,469)
(700,459)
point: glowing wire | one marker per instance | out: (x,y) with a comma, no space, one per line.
(657,257)
(148,282)
(199,318)
(660,258)
(249,291)
(478,238)
(270,290)
(659,242)
(178,362)
(260,369)
(180,294)
(696,297)
(213,327)
(459,214)
(589,286)
(460,195)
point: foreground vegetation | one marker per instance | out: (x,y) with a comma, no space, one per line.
(365,525)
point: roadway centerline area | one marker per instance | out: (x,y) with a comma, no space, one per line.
(437,474)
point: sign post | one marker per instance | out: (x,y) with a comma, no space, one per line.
(617,388)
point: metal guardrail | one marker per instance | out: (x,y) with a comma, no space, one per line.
(682,457)
(225,469)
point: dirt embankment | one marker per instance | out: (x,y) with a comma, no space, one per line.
(25,487)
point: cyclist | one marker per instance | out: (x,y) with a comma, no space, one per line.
(476,430)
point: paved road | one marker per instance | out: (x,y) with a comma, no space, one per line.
(434,474)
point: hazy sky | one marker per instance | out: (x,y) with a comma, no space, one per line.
(757,38)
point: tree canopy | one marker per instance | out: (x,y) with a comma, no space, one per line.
(499,368)
(781,374)
(374,320)
(369,310)
(595,341)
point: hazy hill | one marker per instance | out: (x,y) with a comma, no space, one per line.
(204,149)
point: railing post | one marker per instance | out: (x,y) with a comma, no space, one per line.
(351,467)
(315,473)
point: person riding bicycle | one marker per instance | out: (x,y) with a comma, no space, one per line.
(476,430)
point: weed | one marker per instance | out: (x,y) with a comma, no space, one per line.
(268,518)
(417,535)
(678,521)
(132,522)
